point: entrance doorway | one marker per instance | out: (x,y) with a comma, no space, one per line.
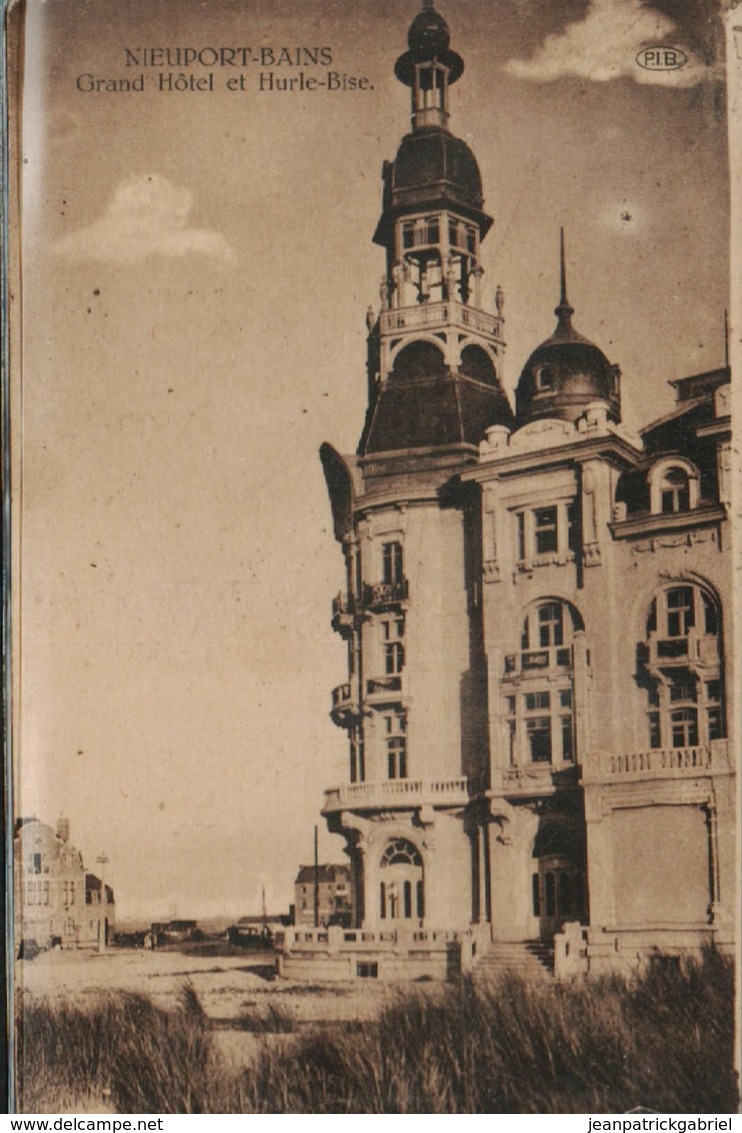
(401,888)
(559,877)
(559,893)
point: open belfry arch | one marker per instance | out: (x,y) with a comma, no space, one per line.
(535,605)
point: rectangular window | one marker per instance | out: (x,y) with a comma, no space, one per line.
(550,624)
(453,233)
(37,863)
(655,733)
(392,563)
(397,757)
(683,687)
(545,530)
(29,893)
(573,528)
(680,616)
(393,658)
(433,230)
(46,892)
(715,723)
(684,722)
(567,739)
(536,701)
(65,893)
(408,235)
(521,528)
(538,730)
(72,893)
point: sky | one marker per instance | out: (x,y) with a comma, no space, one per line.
(197,266)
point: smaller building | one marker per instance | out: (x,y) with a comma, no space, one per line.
(331,883)
(57,903)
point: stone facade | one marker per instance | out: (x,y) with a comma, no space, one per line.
(538,614)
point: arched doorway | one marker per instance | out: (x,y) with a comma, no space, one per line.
(559,879)
(401,888)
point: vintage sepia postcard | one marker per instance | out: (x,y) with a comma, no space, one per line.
(374,715)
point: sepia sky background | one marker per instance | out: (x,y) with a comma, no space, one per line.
(196,272)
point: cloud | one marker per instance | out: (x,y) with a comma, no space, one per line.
(146,217)
(603,46)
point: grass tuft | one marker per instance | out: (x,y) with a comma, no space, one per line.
(662,1040)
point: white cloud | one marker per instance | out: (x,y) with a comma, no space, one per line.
(603,46)
(147,216)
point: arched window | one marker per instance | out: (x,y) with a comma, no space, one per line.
(400,852)
(674,486)
(538,686)
(681,668)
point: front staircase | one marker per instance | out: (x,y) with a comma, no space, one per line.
(530,960)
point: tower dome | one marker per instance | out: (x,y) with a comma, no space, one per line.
(566,372)
(428,32)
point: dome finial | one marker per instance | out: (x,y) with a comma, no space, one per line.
(564,311)
(427,5)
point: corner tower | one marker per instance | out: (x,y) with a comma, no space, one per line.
(434,352)
(414,699)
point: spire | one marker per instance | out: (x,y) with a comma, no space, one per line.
(564,311)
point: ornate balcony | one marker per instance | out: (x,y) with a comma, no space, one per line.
(669,763)
(384,688)
(444,314)
(534,660)
(398,793)
(344,611)
(345,705)
(378,595)
(695,649)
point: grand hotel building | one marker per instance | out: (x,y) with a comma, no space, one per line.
(537,610)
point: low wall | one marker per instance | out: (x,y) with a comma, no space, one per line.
(342,954)
(580,950)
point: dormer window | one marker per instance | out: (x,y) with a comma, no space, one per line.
(675,491)
(674,486)
(545,378)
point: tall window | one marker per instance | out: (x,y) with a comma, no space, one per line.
(357,755)
(682,669)
(393,647)
(545,530)
(392,562)
(395,726)
(538,687)
(538,726)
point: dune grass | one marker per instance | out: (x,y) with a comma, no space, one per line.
(663,1041)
